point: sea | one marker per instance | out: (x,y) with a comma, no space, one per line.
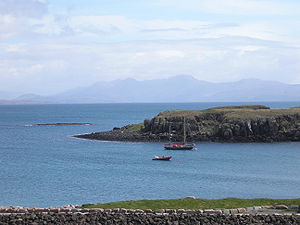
(43,166)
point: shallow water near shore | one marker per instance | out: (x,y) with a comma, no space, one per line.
(44,166)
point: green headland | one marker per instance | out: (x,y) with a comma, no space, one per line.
(245,123)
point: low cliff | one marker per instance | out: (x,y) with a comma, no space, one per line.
(249,123)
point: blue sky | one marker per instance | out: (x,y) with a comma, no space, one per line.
(48,46)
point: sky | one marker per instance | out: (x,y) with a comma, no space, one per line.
(49,46)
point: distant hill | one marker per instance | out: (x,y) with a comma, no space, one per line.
(26,99)
(181,88)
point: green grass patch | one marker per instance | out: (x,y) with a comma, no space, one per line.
(185,113)
(243,111)
(209,111)
(255,107)
(226,203)
(134,127)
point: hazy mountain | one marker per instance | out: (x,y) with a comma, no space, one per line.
(27,99)
(181,89)
(175,89)
(130,90)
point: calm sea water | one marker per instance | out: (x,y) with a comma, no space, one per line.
(45,166)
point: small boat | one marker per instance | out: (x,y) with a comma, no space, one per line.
(166,158)
(179,146)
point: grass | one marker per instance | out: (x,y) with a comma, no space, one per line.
(226,203)
(264,113)
(134,127)
(243,112)
(185,113)
(255,107)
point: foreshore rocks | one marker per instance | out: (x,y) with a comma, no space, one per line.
(223,124)
(71,215)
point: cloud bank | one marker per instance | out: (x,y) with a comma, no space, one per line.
(50,46)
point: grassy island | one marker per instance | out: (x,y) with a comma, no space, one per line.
(245,123)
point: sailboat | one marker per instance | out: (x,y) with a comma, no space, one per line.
(179,145)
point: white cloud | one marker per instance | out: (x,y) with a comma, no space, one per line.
(63,66)
(249,48)
(49,25)
(21,71)
(15,48)
(23,8)
(260,30)
(100,23)
(14,23)
(69,50)
(16,16)
(234,7)
(119,28)
(9,26)
(171,53)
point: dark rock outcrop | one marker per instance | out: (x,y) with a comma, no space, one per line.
(225,124)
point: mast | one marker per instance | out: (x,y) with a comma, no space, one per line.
(184,131)
(170,134)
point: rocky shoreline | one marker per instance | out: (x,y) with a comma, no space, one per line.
(250,123)
(72,215)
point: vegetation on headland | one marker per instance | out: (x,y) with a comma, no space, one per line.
(187,203)
(242,112)
(134,127)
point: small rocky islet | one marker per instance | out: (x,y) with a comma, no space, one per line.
(245,123)
(62,124)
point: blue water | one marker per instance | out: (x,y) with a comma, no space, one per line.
(45,166)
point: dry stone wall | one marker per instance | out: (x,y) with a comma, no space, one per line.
(71,215)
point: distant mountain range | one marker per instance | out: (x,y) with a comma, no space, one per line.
(181,88)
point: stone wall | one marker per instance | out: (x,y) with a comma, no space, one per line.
(71,215)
